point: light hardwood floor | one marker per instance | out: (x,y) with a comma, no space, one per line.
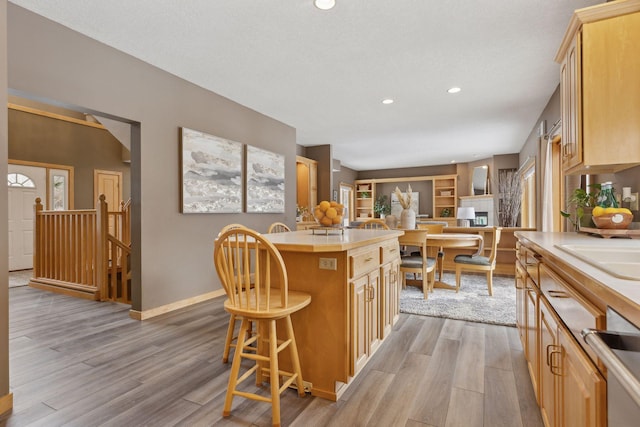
(83,363)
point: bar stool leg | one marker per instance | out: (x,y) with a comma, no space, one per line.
(274,373)
(229,338)
(235,369)
(294,357)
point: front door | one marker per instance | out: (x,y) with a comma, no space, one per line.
(25,184)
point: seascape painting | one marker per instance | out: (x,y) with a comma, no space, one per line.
(265,181)
(211,171)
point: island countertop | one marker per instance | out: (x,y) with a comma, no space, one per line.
(334,241)
(623,295)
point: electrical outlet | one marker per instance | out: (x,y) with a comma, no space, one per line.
(634,202)
(328,264)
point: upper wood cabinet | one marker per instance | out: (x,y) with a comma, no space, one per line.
(600,90)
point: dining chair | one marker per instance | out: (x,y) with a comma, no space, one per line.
(436,229)
(417,262)
(231,338)
(479,262)
(238,253)
(374,223)
(278,227)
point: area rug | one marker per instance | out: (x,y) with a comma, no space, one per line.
(472,303)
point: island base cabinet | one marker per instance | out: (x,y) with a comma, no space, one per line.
(390,297)
(365,327)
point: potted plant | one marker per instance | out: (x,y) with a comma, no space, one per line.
(382,207)
(580,204)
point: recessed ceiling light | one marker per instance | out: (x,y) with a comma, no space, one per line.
(454,90)
(387,101)
(324,4)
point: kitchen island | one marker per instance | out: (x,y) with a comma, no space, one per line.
(353,278)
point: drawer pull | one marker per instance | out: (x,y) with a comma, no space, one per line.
(393,250)
(559,294)
(368,259)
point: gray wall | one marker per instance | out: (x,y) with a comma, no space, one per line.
(172,252)
(41,139)
(4,219)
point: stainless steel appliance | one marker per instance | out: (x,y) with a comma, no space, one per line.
(619,349)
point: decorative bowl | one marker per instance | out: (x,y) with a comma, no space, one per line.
(618,220)
(328,214)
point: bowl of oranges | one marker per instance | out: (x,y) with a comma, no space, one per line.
(616,218)
(329,214)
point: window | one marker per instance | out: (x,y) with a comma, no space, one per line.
(19,180)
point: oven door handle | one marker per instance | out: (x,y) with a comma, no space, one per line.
(613,363)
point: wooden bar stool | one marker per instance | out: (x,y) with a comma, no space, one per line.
(238,253)
(230,339)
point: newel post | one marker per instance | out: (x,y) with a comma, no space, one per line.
(102,255)
(37,232)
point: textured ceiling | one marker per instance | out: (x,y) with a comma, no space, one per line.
(326,72)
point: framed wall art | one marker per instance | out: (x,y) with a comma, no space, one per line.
(265,181)
(211,173)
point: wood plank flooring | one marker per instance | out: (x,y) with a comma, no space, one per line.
(84,363)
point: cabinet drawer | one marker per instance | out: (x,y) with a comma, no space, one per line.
(575,312)
(363,261)
(389,251)
(529,260)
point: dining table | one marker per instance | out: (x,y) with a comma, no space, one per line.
(452,240)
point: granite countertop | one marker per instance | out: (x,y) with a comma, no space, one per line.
(621,294)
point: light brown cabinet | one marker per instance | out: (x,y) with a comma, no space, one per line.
(366,306)
(389,288)
(600,62)
(445,199)
(364,200)
(569,387)
(444,194)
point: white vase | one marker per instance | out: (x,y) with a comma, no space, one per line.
(408,219)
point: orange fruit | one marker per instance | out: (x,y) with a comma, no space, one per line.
(333,203)
(318,213)
(324,205)
(326,221)
(337,220)
(331,213)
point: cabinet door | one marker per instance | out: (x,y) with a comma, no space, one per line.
(521,315)
(582,390)
(571,106)
(360,295)
(531,304)
(549,365)
(374,327)
(390,297)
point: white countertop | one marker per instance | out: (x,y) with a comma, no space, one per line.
(334,241)
(623,290)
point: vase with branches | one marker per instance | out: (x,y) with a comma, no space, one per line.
(509,197)
(408,216)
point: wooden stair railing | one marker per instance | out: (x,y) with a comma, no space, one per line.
(75,254)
